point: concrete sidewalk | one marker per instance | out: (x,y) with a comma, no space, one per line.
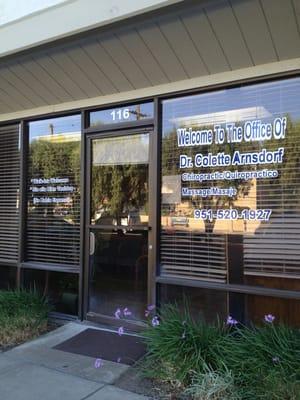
(36,371)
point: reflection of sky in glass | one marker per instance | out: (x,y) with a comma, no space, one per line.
(53,126)
(121,150)
(274,98)
(136,112)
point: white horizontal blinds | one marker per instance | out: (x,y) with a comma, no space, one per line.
(188,249)
(274,248)
(192,255)
(9,192)
(53,218)
(249,115)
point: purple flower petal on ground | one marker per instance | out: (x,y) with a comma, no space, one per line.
(151,307)
(231,321)
(126,312)
(99,363)
(121,331)
(269,318)
(118,313)
(155,321)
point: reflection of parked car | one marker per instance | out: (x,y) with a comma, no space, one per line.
(182,221)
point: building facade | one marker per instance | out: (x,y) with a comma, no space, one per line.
(150,154)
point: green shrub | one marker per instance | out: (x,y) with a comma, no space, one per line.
(249,363)
(264,360)
(180,345)
(23,315)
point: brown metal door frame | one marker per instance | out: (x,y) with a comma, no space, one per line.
(152,239)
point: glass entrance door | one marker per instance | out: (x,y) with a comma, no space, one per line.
(118,224)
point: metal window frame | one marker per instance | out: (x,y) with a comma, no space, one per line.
(156,172)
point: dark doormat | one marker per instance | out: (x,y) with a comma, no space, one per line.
(106,345)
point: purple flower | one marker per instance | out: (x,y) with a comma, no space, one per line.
(126,312)
(155,321)
(99,363)
(118,313)
(230,321)
(150,308)
(121,331)
(269,318)
(275,360)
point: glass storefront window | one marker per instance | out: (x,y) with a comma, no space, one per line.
(9,191)
(53,193)
(119,219)
(118,272)
(120,180)
(8,278)
(285,311)
(210,305)
(216,305)
(60,289)
(230,190)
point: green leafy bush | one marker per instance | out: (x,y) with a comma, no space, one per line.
(224,359)
(265,361)
(180,345)
(23,315)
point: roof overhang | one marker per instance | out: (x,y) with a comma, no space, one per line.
(67,18)
(188,46)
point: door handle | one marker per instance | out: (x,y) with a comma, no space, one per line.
(92,243)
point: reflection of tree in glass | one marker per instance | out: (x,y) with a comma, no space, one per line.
(170,166)
(119,189)
(53,227)
(57,160)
